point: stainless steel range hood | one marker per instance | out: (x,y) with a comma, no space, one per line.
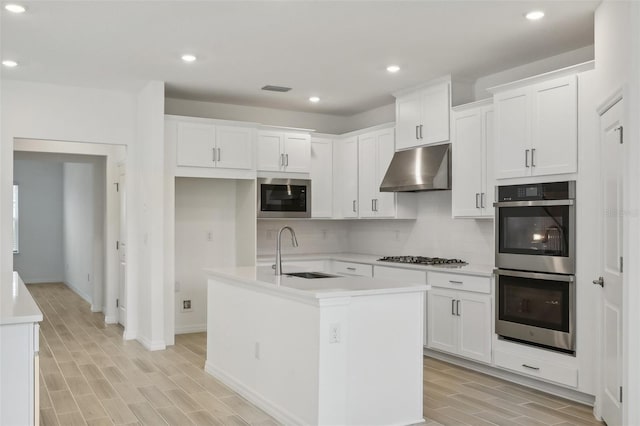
(419,169)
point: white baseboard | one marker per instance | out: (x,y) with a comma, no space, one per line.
(80,293)
(500,373)
(128,334)
(155,345)
(110,319)
(275,411)
(44,281)
(195,328)
(95,308)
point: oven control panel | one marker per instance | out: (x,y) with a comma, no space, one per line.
(537,191)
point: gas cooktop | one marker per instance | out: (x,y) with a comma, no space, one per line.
(422,260)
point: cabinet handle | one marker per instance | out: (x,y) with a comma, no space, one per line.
(530,367)
(421,131)
(417,133)
(477,203)
(482,198)
(281,160)
(456,282)
(375,203)
(213,155)
(350,268)
(354,206)
(533,157)
(526,158)
(286,159)
(453,307)
(457,307)
(219,156)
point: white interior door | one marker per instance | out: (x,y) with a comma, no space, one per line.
(122,246)
(612,153)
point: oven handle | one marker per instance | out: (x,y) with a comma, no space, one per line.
(535,275)
(535,203)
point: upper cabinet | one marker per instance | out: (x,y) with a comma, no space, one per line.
(422,116)
(375,151)
(321,177)
(346,177)
(536,129)
(473,182)
(284,151)
(206,143)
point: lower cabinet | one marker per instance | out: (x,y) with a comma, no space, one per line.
(459,322)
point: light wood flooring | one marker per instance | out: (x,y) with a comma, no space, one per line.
(90,376)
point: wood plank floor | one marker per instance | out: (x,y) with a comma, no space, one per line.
(90,376)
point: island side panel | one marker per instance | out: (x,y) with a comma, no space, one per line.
(266,348)
(385,356)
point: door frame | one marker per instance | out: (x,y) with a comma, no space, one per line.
(113,154)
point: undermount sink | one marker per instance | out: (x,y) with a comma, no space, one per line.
(310,275)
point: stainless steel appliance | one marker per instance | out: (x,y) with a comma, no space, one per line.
(427,168)
(535,227)
(422,260)
(535,259)
(284,198)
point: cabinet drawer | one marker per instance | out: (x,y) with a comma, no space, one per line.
(399,274)
(349,268)
(459,282)
(547,370)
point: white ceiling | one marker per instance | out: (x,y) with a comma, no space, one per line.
(337,50)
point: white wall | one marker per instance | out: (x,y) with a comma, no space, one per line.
(434,233)
(79,228)
(314,236)
(205,236)
(40,257)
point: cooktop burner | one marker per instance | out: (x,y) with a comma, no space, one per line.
(422,260)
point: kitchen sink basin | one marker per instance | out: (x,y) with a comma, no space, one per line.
(310,275)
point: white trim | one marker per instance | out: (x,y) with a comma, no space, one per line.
(110,319)
(430,83)
(549,388)
(194,328)
(279,413)
(573,69)
(80,293)
(46,281)
(152,345)
(613,99)
(128,334)
(95,308)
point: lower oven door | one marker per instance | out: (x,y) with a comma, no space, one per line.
(536,308)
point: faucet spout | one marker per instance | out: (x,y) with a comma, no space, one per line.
(294,243)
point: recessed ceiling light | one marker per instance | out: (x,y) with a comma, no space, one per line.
(534,15)
(393,68)
(314,99)
(9,63)
(188,58)
(15,8)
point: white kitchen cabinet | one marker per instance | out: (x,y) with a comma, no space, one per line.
(284,151)
(352,268)
(422,116)
(459,321)
(473,182)
(536,129)
(201,143)
(321,178)
(375,151)
(346,175)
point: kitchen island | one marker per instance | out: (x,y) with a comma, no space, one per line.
(327,351)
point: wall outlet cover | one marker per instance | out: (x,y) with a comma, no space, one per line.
(186,305)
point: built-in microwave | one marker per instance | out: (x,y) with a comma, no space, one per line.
(284,198)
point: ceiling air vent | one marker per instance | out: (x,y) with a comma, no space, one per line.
(276,88)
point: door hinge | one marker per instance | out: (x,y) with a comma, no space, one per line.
(117,303)
(621,264)
(621,130)
(117,245)
(620,394)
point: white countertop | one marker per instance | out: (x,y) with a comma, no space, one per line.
(263,278)
(370,259)
(16,304)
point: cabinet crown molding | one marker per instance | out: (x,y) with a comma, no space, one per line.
(430,83)
(573,69)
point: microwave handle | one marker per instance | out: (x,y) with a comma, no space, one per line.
(534,203)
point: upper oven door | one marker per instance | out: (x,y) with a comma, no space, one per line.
(536,235)
(284,198)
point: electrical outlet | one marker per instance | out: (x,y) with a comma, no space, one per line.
(256,350)
(334,333)
(186,305)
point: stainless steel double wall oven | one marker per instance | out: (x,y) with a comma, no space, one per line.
(535,261)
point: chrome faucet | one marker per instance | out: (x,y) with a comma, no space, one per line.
(294,242)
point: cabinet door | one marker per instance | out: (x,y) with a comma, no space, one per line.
(512,134)
(467,163)
(270,151)
(348,176)
(234,147)
(297,152)
(555,127)
(367,147)
(474,333)
(435,115)
(196,143)
(321,178)
(408,116)
(442,323)
(488,194)
(385,202)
